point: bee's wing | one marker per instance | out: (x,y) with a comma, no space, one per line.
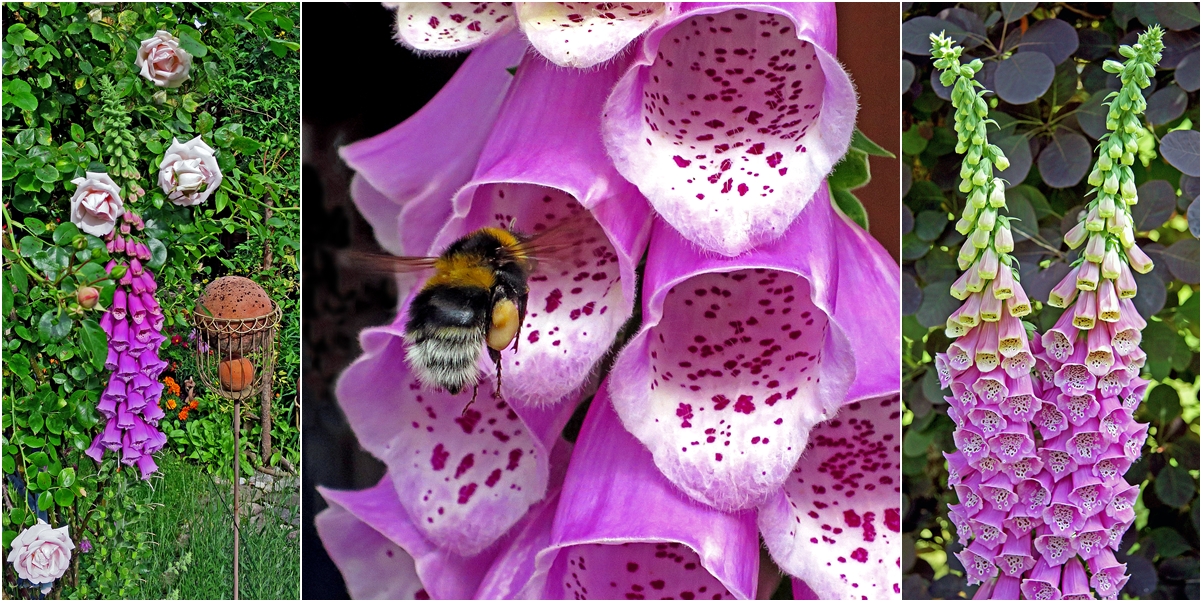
(551,243)
(392,264)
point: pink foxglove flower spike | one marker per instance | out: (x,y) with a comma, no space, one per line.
(130,401)
(1095,360)
(731,117)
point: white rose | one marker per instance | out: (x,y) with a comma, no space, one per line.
(96,204)
(189,172)
(41,554)
(162,61)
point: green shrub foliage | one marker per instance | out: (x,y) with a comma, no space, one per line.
(74,102)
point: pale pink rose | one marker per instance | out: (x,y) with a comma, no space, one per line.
(162,61)
(189,172)
(96,204)
(41,554)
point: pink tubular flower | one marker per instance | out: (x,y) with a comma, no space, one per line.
(130,402)
(730,117)
(567,34)
(763,385)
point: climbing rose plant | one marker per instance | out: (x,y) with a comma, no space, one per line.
(751,399)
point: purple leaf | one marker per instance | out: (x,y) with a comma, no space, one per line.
(1166,104)
(1024,77)
(1180,149)
(1052,37)
(1065,160)
(1157,201)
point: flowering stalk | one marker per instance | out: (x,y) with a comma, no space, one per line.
(134,324)
(996,473)
(1090,360)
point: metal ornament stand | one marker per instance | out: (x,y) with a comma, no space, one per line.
(225,350)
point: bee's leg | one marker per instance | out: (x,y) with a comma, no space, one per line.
(475,390)
(495,356)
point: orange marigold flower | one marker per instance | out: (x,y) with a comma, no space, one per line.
(170,404)
(183,415)
(193,405)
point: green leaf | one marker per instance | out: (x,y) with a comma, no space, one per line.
(66,478)
(1174,486)
(9,464)
(1163,404)
(19,93)
(64,233)
(245,145)
(38,459)
(861,142)
(205,122)
(192,45)
(44,481)
(77,132)
(95,341)
(851,207)
(158,253)
(54,324)
(45,500)
(1168,542)
(912,142)
(64,497)
(851,172)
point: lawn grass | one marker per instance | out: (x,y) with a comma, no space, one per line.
(192,515)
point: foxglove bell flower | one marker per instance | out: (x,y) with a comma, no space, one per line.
(567,34)
(796,389)
(730,118)
(130,401)
(1003,485)
(189,173)
(1092,360)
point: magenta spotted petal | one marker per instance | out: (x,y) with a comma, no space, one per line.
(836,523)
(465,475)
(730,118)
(623,531)
(395,185)
(439,27)
(538,169)
(583,34)
(737,359)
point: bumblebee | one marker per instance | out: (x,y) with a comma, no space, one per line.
(475,297)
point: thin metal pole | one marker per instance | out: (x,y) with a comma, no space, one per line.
(237,470)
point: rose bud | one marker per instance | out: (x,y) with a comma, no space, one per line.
(87,296)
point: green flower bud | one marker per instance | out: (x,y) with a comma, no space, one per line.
(118,271)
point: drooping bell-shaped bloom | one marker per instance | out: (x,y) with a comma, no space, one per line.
(569,35)
(602,543)
(738,358)
(730,117)
(130,400)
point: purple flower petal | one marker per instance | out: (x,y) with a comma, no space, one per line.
(146,465)
(464,475)
(95,451)
(537,170)
(444,27)
(583,35)
(837,522)
(444,574)
(1075,583)
(396,186)
(373,567)
(730,118)
(604,539)
(736,359)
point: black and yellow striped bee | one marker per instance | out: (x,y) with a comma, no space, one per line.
(476,297)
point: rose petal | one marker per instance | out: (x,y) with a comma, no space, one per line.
(464,474)
(582,34)
(396,186)
(451,26)
(536,171)
(736,359)
(605,540)
(730,119)
(837,521)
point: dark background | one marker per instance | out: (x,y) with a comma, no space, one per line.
(358,82)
